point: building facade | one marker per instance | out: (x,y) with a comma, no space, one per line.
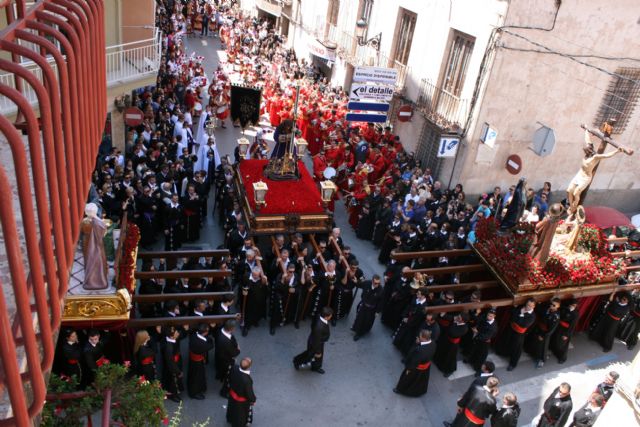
(532,72)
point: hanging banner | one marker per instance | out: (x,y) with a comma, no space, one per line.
(245,105)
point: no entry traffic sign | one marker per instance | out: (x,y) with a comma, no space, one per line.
(133,116)
(405,112)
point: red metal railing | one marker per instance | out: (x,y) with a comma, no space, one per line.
(63,135)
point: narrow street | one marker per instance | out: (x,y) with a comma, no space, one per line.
(357,387)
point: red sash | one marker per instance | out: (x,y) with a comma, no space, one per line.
(189,212)
(147,360)
(423,366)
(176,357)
(236,397)
(72,361)
(453,340)
(636,313)
(444,322)
(102,361)
(517,328)
(196,357)
(564,324)
(612,316)
(543,326)
(472,417)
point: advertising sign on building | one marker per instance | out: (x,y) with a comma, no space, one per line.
(375,75)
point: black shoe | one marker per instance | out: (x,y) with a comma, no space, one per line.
(296,325)
(245,331)
(395,390)
(333,322)
(356,337)
(446,423)
(199,397)
(606,350)
(510,368)
(272,331)
(561,361)
(318,370)
(224,394)
(296,366)
(447,375)
(465,360)
(174,398)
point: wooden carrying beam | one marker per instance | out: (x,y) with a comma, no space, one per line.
(336,249)
(312,239)
(181,274)
(440,271)
(405,256)
(541,296)
(469,286)
(216,253)
(190,296)
(180,320)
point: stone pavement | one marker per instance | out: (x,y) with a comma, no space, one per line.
(357,387)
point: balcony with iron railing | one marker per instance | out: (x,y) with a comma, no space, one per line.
(447,111)
(125,63)
(356,55)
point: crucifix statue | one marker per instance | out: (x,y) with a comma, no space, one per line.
(579,185)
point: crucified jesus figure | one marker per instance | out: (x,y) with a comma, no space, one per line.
(583,178)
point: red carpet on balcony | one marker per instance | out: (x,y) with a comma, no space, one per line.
(283,197)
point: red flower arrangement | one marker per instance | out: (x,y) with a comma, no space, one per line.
(508,254)
(127,263)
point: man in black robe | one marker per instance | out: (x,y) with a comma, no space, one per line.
(407,332)
(343,294)
(557,407)
(538,339)
(588,414)
(173,226)
(522,318)
(225,354)
(326,287)
(285,297)
(446,357)
(369,306)
(566,326)
(485,330)
(607,326)
(254,298)
(71,355)
(224,307)
(199,346)
(630,326)
(414,380)
(606,387)
(93,355)
(320,334)
(508,414)
(432,325)
(397,293)
(241,396)
(171,363)
(476,405)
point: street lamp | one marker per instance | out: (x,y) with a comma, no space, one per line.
(243,147)
(301,146)
(361,29)
(260,194)
(327,188)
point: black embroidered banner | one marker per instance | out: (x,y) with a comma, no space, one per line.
(245,105)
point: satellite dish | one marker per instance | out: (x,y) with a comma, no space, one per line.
(544,141)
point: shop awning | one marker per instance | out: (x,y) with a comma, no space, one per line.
(324,50)
(270,8)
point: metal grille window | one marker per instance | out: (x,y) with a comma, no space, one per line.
(407,23)
(620,99)
(457,62)
(427,150)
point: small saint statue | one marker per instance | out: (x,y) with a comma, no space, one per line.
(544,232)
(515,206)
(93,230)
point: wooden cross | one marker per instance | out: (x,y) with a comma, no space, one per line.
(605,138)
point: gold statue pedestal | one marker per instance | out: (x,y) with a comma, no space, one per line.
(282,169)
